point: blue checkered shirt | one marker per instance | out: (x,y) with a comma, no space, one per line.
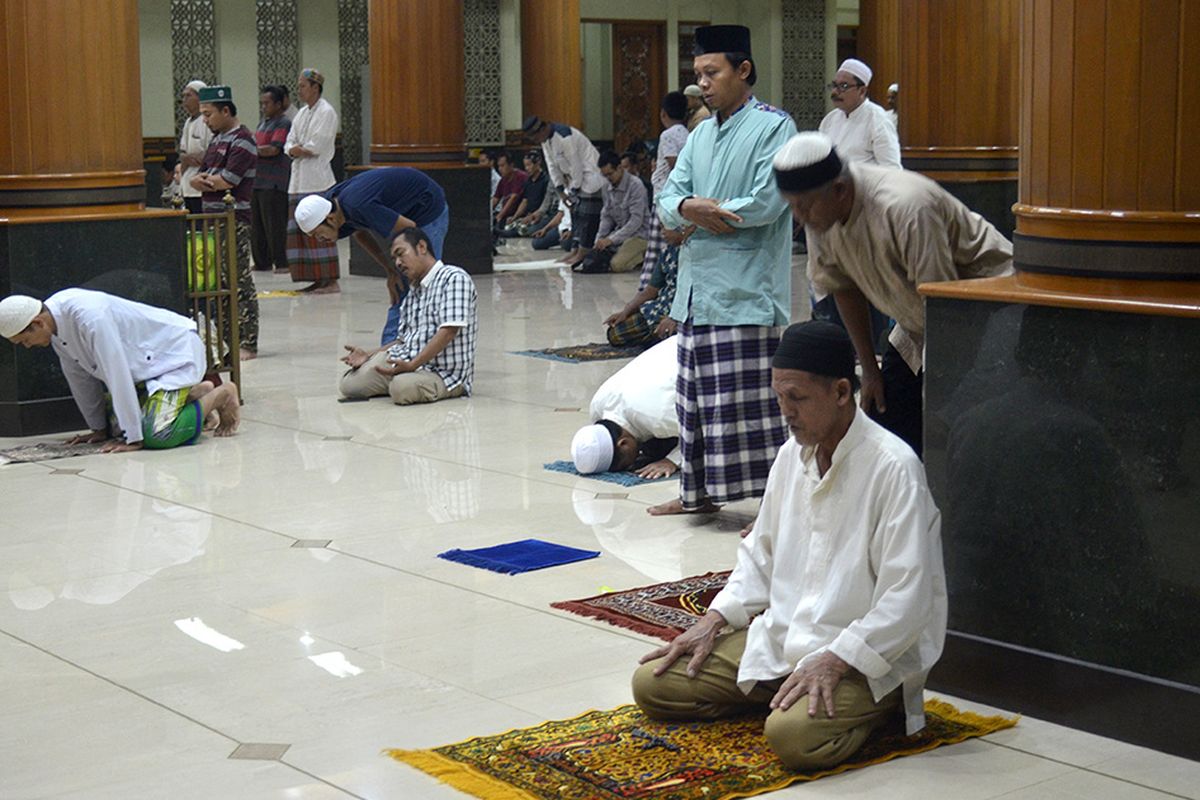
(445,297)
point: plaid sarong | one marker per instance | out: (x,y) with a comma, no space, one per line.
(308,258)
(654,246)
(729,421)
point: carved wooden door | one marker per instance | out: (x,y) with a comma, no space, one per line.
(639,66)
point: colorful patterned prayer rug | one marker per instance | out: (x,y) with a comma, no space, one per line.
(664,610)
(578,353)
(46,451)
(620,755)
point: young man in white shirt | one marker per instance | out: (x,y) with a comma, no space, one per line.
(136,371)
(838,599)
(193,143)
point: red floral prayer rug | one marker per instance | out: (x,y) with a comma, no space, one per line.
(664,610)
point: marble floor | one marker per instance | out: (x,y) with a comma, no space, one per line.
(257,617)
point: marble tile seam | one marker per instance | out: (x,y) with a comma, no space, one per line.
(1089,768)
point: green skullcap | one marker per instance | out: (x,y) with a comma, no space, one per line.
(216,94)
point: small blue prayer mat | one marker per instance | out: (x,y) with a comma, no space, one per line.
(523,556)
(622,478)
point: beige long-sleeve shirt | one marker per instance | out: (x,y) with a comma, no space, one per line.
(904,230)
(849,562)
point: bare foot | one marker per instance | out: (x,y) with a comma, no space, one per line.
(676,507)
(282,271)
(327,287)
(312,287)
(744,532)
(247,355)
(198,391)
(228,409)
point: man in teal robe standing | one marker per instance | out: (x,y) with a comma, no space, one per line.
(734,292)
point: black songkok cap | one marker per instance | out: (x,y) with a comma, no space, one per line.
(531,123)
(821,348)
(722,39)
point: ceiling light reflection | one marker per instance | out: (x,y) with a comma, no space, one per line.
(195,628)
(335,664)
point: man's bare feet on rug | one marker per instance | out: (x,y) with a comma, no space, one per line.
(198,391)
(247,355)
(676,507)
(327,287)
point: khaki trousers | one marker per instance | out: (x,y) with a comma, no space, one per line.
(801,742)
(630,254)
(422,386)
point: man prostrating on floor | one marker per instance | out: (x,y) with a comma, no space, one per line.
(838,599)
(149,362)
(433,355)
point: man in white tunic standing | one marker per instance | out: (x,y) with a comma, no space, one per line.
(859,128)
(310,144)
(193,143)
(838,599)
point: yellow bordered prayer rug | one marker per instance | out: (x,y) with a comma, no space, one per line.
(622,755)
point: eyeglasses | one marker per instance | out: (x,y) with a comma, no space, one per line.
(844,87)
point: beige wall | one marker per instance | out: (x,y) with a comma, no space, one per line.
(158,95)
(237,57)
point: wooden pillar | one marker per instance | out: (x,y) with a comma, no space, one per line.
(417,82)
(879,45)
(70,112)
(959,99)
(551,61)
(1110,174)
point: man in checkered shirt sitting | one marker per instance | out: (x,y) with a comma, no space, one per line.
(433,355)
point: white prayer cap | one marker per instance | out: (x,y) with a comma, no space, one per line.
(895,87)
(196,86)
(311,212)
(16,312)
(857,68)
(592,449)
(693,91)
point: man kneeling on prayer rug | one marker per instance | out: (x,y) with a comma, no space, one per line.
(136,371)
(837,604)
(433,355)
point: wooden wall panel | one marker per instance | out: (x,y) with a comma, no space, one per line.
(551,60)
(417,90)
(879,44)
(1187,180)
(1087,136)
(1157,104)
(65,60)
(1061,79)
(958,73)
(1122,37)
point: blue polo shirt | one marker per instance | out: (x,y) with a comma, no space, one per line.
(375,199)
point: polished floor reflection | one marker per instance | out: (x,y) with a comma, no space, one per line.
(277,594)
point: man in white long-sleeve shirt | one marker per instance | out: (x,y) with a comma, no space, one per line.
(572,161)
(859,128)
(149,362)
(838,599)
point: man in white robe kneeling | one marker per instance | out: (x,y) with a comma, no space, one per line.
(837,605)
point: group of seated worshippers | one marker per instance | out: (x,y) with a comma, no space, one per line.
(136,372)
(620,243)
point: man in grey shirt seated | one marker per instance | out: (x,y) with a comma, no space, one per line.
(624,220)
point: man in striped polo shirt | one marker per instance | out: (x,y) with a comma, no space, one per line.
(229,166)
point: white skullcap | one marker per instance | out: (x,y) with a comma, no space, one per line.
(693,91)
(592,449)
(895,87)
(16,312)
(806,161)
(196,86)
(311,212)
(857,68)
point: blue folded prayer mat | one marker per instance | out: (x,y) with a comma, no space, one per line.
(516,557)
(621,478)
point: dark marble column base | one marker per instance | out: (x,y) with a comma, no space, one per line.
(1121,705)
